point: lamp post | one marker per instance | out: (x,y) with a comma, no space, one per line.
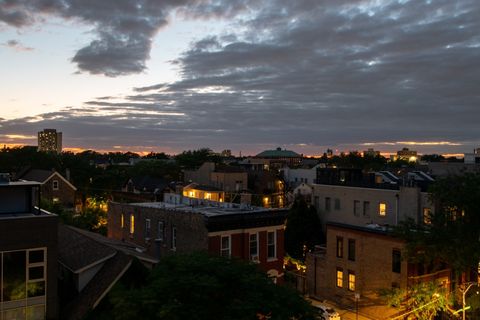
(468,285)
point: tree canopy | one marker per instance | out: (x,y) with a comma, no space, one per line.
(303,229)
(452,234)
(198,286)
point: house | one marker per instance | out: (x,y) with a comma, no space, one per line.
(181,225)
(89,266)
(359,261)
(54,187)
(203,192)
(294,177)
(28,253)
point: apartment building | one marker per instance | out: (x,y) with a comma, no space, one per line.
(28,254)
(182,225)
(49,140)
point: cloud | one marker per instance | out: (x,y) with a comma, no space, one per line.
(300,73)
(17,46)
(124,29)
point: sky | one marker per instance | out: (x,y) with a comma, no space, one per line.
(244,75)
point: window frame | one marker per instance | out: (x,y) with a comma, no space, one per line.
(55,185)
(352,279)
(339,277)
(272,245)
(253,256)
(396,261)
(339,247)
(382,209)
(351,249)
(226,251)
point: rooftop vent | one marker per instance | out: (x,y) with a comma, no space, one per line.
(4,178)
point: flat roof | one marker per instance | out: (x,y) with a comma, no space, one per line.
(19,183)
(207,210)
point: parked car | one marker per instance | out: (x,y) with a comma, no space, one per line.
(326,313)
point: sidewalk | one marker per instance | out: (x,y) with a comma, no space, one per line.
(345,314)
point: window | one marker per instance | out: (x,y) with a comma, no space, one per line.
(328,204)
(147,228)
(122,221)
(132,224)
(396,261)
(271,250)
(339,247)
(55,184)
(382,209)
(351,280)
(316,202)
(253,246)
(160,230)
(366,208)
(356,208)
(23,284)
(351,249)
(337,204)
(174,239)
(427,215)
(339,277)
(225,249)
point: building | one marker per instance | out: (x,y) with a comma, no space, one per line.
(294,177)
(203,192)
(49,140)
(370,152)
(278,158)
(28,254)
(405,154)
(472,158)
(182,225)
(358,262)
(89,266)
(54,187)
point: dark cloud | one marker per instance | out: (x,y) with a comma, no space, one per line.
(16,45)
(309,75)
(124,28)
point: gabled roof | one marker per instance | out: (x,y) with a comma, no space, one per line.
(278,153)
(148,183)
(43,176)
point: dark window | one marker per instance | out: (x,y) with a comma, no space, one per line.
(328,204)
(366,208)
(337,204)
(339,247)
(356,208)
(271,245)
(351,249)
(396,261)
(174,238)
(35,256)
(253,246)
(147,228)
(161,231)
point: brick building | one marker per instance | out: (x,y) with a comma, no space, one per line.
(54,187)
(163,228)
(28,254)
(362,261)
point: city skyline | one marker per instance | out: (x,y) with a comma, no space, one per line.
(142,76)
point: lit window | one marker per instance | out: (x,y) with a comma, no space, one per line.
(382,209)
(132,224)
(427,215)
(271,250)
(208,196)
(122,221)
(339,277)
(55,184)
(191,194)
(265,201)
(339,247)
(225,249)
(253,246)
(351,280)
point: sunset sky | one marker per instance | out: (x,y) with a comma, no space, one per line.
(245,75)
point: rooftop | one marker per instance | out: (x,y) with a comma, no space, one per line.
(278,153)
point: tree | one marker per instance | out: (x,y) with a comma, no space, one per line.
(199,286)
(423,301)
(303,229)
(452,236)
